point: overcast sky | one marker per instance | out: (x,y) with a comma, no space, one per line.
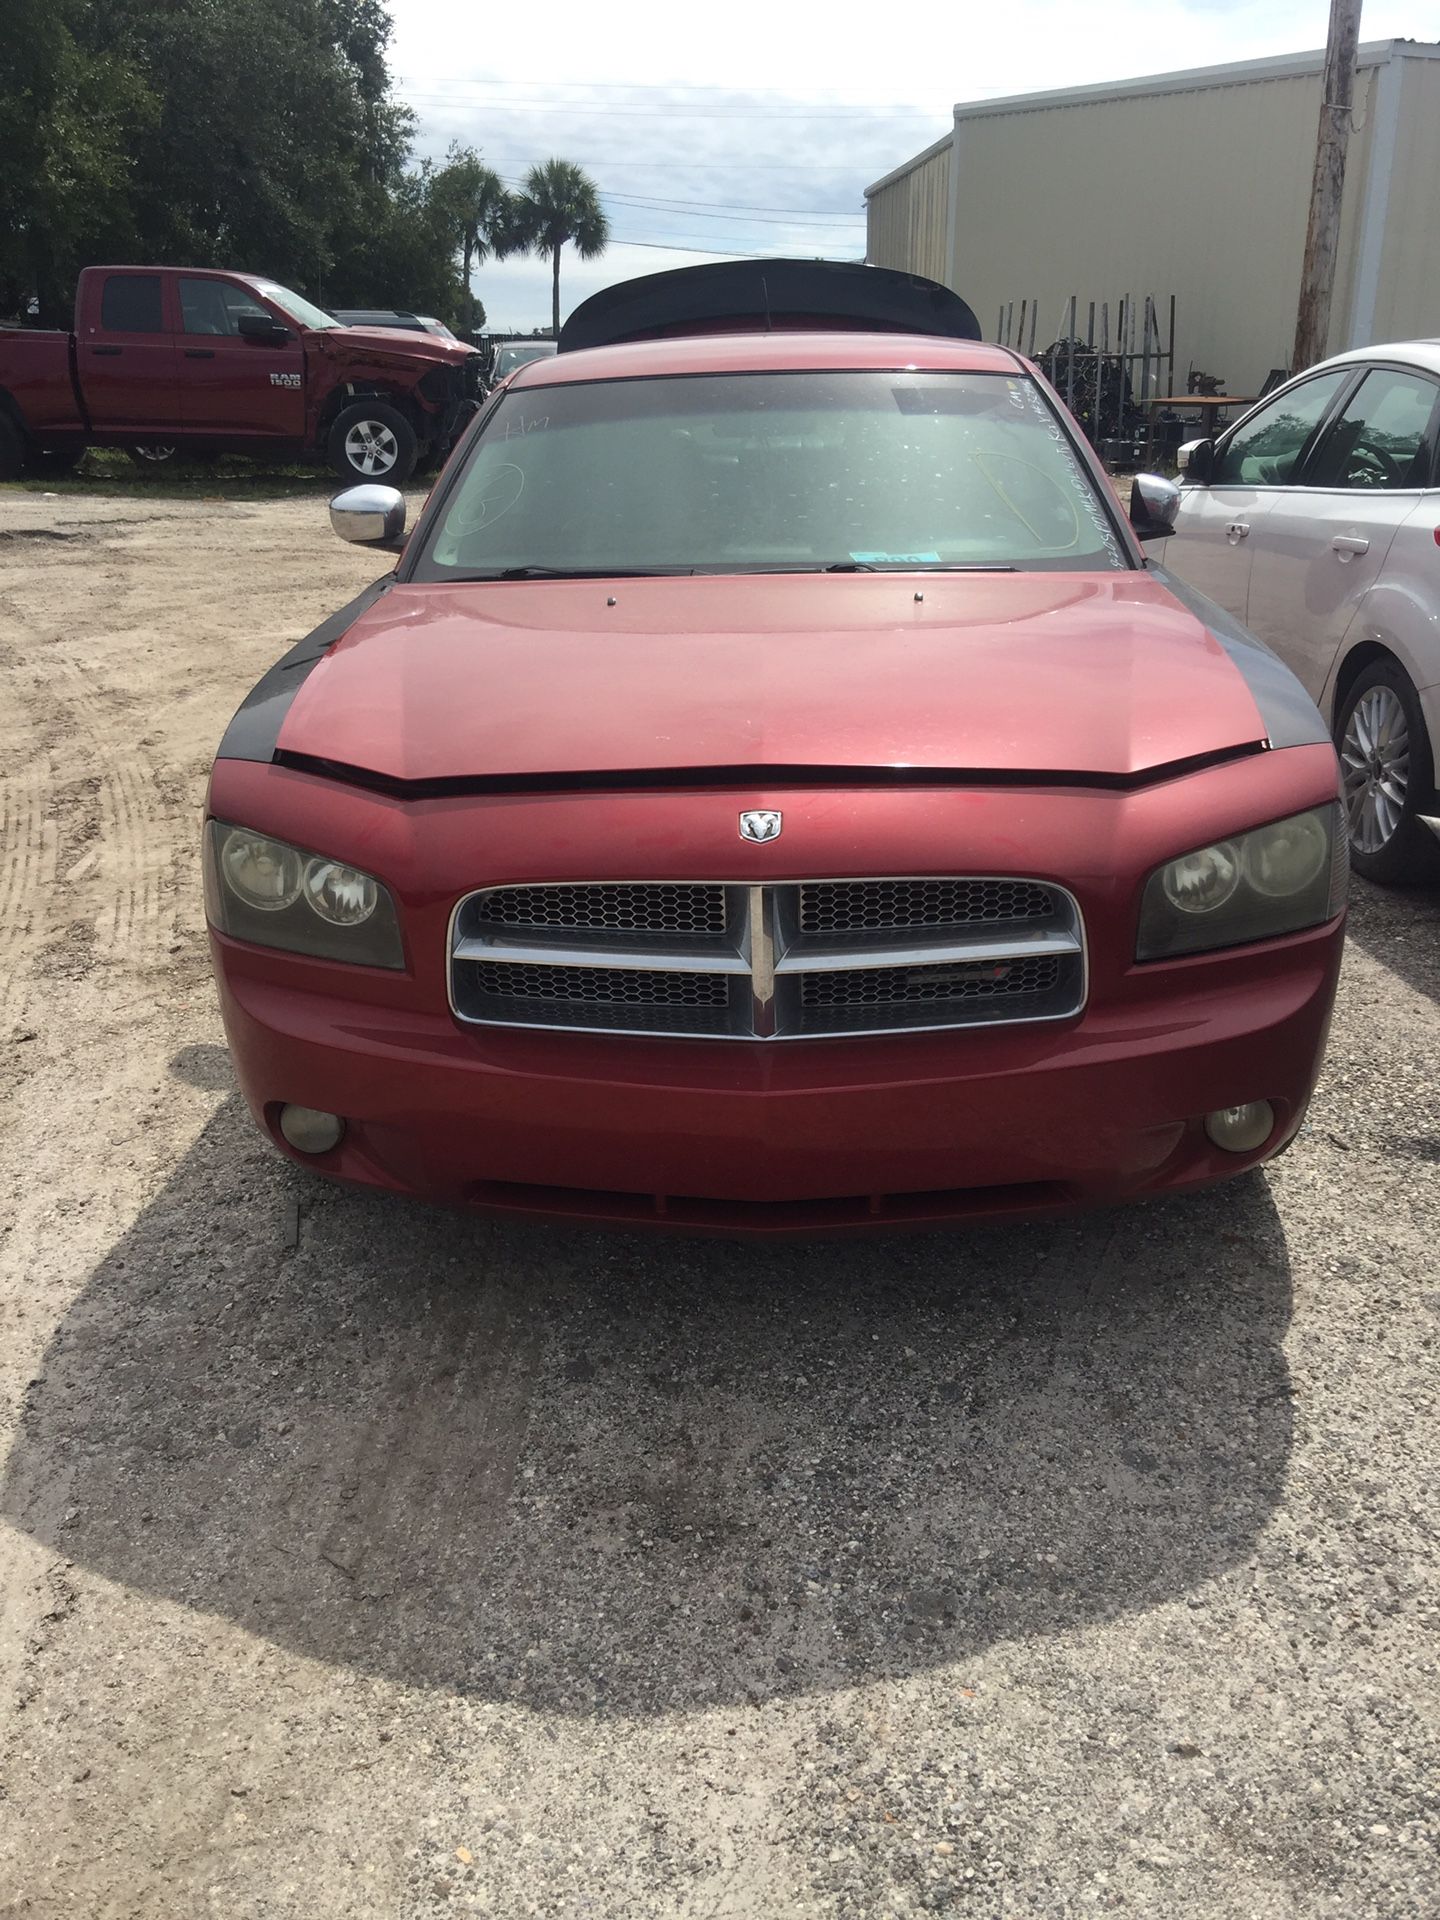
(753,128)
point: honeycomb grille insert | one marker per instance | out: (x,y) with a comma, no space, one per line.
(929,986)
(603,986)
(686,910)
(609,999)
(840,907)
(796,960)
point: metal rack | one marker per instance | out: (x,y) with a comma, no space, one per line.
(1107,384)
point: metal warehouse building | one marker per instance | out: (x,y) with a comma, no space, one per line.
(1193,185)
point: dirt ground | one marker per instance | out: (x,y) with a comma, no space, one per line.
(360,1560)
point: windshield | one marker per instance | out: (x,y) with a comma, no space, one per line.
(296,307)
(774,471)
(508,358)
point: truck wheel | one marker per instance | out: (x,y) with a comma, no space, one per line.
(152,453)
(371,441)
(12,450)
(1388,777)
(52,463)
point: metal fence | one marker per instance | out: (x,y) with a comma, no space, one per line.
(1107,379)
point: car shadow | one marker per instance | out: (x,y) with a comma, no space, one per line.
(617,1476)
(1399,927)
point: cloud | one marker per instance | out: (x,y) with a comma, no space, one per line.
(747,129)
(516,293)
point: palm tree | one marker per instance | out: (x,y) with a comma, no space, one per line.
(480,213)
(559,203)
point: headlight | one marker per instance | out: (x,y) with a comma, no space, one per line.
(264,874)
(1285,859)
(1279,879)
(264,890)
(1201,882)
(342,895)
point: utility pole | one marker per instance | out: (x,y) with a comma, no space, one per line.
(1317,276)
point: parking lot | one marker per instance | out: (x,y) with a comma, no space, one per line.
(357,1559)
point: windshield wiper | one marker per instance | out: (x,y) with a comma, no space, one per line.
(573,573)
(914,566)
(877,566)
(669,573)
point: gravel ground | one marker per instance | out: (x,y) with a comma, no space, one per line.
(359,1560)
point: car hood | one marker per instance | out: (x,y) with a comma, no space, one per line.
(411,343)
(1093,674)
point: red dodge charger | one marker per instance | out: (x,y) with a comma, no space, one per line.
(773,793)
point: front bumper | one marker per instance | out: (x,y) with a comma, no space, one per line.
(799,1136)
(909,1129)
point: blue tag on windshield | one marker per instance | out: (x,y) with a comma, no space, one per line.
(897,559)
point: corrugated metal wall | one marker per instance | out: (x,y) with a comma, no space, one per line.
(1202,194)
(908,219)
(1407,304)
(1201,191)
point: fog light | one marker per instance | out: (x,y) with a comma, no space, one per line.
(309,1130)
(1241,1129)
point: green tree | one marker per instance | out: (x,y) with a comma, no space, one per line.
(71,115)
(558,205)
(276,134)
(402,256)
(258,134)
(471,200)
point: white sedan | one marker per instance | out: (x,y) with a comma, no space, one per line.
(1315,520)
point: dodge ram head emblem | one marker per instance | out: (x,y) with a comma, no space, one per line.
(760,826)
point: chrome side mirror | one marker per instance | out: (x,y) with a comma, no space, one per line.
(1196,460)
(370,516)
(1154,503)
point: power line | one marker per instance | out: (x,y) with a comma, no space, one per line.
(715,210)
(818,229)
(736,206)
(714,253)
(627,86)
(797,107)
(669,164)
(738,116)
(698,210)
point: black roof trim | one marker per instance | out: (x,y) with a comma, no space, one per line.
(682,779)
(763,296)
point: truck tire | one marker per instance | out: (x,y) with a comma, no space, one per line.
(12,450)
(52,463)
(372,441)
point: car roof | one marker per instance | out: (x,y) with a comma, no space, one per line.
(769,353)
(1417,353)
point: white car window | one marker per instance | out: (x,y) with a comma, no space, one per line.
(1265,450)
(1381,438)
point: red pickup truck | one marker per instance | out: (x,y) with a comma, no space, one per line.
(173,358)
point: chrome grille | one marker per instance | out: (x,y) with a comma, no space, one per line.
(799,960)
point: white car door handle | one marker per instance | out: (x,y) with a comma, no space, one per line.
(1237,531)
(1347,545)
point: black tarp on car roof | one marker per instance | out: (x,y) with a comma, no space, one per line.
(758,296)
